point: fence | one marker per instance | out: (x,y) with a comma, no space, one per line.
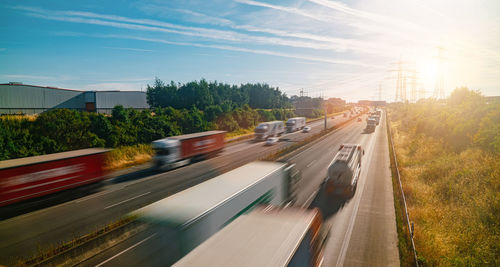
(409,224)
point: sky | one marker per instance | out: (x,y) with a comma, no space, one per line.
(347,49)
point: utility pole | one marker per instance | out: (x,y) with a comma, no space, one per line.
(400,81)
(439,90)
(326,110)
(379,92)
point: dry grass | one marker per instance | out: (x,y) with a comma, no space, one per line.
(239,132)
(453,198)
(126,156)
(19,117)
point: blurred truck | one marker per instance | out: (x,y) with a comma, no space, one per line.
(292,237)
(371,123)
(295,124)
(188,218)
(30,177)
(176,151)
(377,118)
(344,171)
(269,129)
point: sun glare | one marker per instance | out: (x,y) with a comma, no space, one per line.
(428,73)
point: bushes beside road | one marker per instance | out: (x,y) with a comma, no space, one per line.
(176,109)
(449,157)
(63,130)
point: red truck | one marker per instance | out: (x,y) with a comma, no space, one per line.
(30,177)
(180,150)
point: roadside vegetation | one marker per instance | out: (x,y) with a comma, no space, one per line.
(175,109)
(449,158)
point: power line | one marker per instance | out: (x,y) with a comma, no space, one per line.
(439,89)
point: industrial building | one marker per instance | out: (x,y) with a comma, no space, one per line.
(18,98)
(371,103)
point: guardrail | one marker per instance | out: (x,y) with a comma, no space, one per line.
(408,222)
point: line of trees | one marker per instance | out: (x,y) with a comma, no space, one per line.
(467,119)
(175,109)
(213,95)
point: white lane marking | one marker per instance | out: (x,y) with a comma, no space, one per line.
(116,204)
(142,241)
(310,163)
(99,194)
(347,237)
(309,199)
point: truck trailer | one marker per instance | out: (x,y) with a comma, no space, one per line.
(292,237)
(295,124)
(344,171)
(371,123)
(188,218)
(176,151)
(25,178)
(269,129)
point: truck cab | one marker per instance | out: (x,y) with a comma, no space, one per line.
(167,151)
(269,129)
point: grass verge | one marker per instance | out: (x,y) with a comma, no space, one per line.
(453,198)
(58,249)
(127,156)
(404,243)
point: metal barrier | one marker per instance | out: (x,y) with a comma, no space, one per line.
(410,224)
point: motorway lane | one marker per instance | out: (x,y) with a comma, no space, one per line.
(22,235)
(151,247)
(362,229)
(316,126)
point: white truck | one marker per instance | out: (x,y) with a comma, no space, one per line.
(295,124)
(292,237)
(269,129)
(189,217)
(344,171)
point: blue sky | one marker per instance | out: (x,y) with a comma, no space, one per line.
(328,48)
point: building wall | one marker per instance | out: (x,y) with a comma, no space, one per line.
(29,99)
(106,100)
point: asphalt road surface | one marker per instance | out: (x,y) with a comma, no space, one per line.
(63,216)
(362,229)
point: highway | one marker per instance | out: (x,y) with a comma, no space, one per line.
(362,229)
(80,211)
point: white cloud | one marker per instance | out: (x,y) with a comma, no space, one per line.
(116,86)
(24,76)
(248,50)
(130,49)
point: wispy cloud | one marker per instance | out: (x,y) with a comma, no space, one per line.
(24,76)
(338,6)
(125,80)
(129,49)
(115,86)
(292,10)
(298,40)
(247,50)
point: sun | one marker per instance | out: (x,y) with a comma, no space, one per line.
(428,73)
